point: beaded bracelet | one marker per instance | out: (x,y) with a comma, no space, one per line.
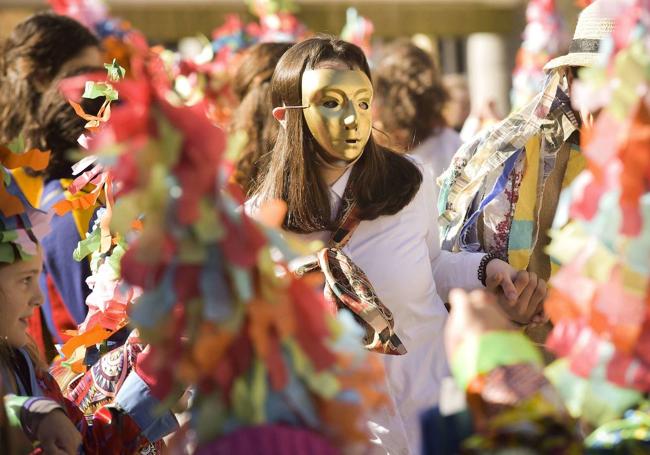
(482,266)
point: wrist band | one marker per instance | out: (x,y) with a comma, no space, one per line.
(482,266)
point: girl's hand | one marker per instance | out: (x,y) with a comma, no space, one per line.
(520,294)
(57,435)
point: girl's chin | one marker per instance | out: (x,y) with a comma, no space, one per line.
(17,340)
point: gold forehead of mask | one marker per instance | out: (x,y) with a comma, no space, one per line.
(348,81)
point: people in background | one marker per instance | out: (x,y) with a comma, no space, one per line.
(252,85)
(38,55)
(408,108)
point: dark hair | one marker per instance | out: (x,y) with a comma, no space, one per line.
(409,92)
(30,103)
(252,85)
(381,183)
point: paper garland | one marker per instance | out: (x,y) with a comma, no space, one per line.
(600,301)
(219,308)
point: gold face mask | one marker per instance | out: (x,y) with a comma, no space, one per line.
(338,110)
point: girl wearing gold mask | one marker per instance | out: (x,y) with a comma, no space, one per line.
(324,154)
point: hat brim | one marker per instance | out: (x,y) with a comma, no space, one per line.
(574,59)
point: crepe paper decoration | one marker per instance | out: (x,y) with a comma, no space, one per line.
(106,238)
(636,170)
(201,70)
(80,201)
(109,298)
(10,205)
(99,89)
(592,355)
(600,324)
(358,30)
(21,225)
(617,312)
(637,249)
(515,406)
(575,244)
(545,37)
(115,71)
(579,289)
(630,66)
(258,345)
(34,159)
(477,356)
(17,145)
(93,176)
(631,433)
(599,300)
(595,401)
(116,35)
(93,121)
(88,12)
(591,91)
(263,8)
(31,186)
(94,90)
(83,164)
(12,199)
(39,228)
(93,336)
(242,242)
(74,365)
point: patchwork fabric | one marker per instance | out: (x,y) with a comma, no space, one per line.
(483,156)
(509,220)
(523,228)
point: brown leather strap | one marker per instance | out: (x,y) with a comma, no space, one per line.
(349,220)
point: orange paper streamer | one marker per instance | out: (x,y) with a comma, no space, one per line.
(34,159)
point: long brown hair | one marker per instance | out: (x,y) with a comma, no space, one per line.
(252,85)
(30,103)
(381,182)
(409,93)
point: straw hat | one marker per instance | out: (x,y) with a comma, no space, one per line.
(595,22)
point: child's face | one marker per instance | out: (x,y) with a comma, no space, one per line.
(20,294)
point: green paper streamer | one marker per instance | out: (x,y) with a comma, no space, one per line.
(210,416)
(7,253)
(94,90)
(114,70)
(13,404)
(18,145)
(258,392)
(479,355)
(87,246)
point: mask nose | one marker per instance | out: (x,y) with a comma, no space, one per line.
(350,121)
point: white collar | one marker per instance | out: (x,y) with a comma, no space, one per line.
(338,187)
